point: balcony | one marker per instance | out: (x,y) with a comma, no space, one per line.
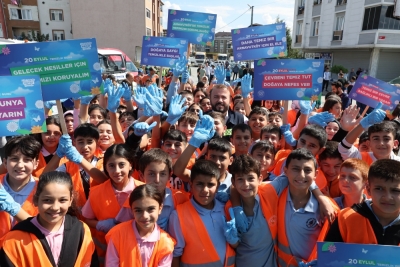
(317,2)
(300,10)
(341,2)
(299,38)
(337,36)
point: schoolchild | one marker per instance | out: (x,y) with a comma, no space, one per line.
(258,119)
(264,153)
(241,139)
(329,162)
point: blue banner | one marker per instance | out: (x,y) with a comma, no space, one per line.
(371,91)
(357,255)
(197,28)
(288,79)
(66,68)
(252,43)
(21,105)
(163,51)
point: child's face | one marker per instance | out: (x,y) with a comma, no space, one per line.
(273,138)
(69,122)
(223,159)
(203,189)
(219,127)
(331,129)
(242,141)
(187,128)
(95,117)
(257,122)
(53,203)
(146,211)
(156,174)
(106,135)
(199,96)
(126,121)
(310,143)
(275,120)
(189,100)
(118,169)
(381,144)
(350,181)
(266,159)
(173,148)
(268,104)
(336,110)
(331,168)
(206,105)
(385,197)
(51,137)
(363,147)
(20,167)
(247,184)
(240,108)
(86,146)
(300,173)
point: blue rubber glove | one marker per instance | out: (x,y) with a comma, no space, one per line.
(185,76)
(142,128)
(282,110)
(246,85)
(108,86)
(242,224)
(222,196)
(220,74)
(236,81)
(63,145)
(154,102)
(114,98)
(203,131)
(230,231)
(306,107)
(127,95)
(308,264)
(106,225)
(49,104)
(163,223)
(176,109)
(180,66)
(140,97)
(288,135)
(376,116)
(85,100)
(7,203)
(73,155)
(322,119)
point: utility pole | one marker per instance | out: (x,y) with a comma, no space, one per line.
(252,8)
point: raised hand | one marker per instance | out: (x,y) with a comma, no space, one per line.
(154,102)
(203,131)
(220,74)
(288,135)
(127,92)
(85,100)
(180,66)
(185,76)
(114,98)
(176,109)
(72,153)
(108,86)
(306,107)
(322,119)
(63,145)
(246,85)
(349,118)
(376,116)
(142,128)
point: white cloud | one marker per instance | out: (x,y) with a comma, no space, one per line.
(21,91)
(168,5)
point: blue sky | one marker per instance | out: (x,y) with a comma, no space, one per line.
(265,11)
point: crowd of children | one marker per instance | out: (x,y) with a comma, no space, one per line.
(160,178)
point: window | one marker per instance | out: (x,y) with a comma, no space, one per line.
(148,32)
(339,23)
(315,28)
(23,14)
(1,30)
(58,35)
(299,29)
(215,46)
(148,13)
(317,2)
(301,3)
(56,15)
(221,46)
(229,46)
(341,2)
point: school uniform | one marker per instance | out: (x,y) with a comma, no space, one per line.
(26,245)
(125,247)
(360,225)
(24,197)
(199,234)
(340,201)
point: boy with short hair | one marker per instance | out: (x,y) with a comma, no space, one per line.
(264,153)
(272,133)
(187,123)
(299,222)
(329,162)
(258,119)
(241,139)
(126,119)
(21,159)
(275,118)
(198,225)
(375,221)
(219,122)
(189,97)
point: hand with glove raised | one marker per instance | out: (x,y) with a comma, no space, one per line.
(108,86)
(230,231)
(85,100)
(246,85)
(220,74)
(322,119)
(142,128)
(140,97)
(306,107)
(72,153)
(114,98)
(127,92)
(180,66)
(288,135)
(7,203)
(376,116)
(64,144)
(176,109)
(185,76)
(106,225)
(203,131)
(154,102)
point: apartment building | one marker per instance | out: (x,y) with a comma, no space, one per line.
(118,24)
(222,44)
(55,19)
(352,33)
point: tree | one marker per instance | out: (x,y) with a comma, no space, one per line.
(291,52)
(32,36)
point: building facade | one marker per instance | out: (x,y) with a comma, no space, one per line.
(352,33)
(55,19)
(118,24)
(222,45)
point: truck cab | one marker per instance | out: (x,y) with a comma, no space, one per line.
(200,58)
(222,58)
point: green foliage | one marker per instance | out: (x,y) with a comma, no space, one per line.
(336,69)
(32,36)
(291,52)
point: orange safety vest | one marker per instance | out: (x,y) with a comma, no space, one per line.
(28,206)
(25,249)
(285,257)
(334,189)
(355,228)
(41,165)
(123,237)
(105,205)
(291,116)
(199,249)
(367,158)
